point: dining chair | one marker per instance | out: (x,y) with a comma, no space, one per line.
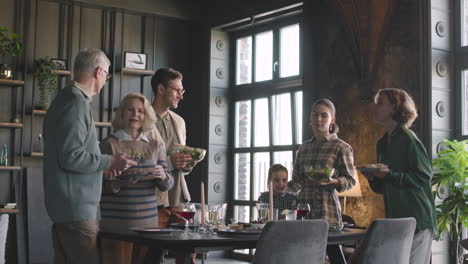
(388,241)
(292,242)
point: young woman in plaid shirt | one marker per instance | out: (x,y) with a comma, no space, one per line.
(323,150)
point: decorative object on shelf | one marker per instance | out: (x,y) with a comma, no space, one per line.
(44,71)
(9,46)
(39,145)
(4,155)
(450,177)
(134,60)
(16,119)
(60,64)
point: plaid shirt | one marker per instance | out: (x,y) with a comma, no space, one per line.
(330,152)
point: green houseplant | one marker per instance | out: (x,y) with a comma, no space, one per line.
(9,46)
(450,181)
(46,76)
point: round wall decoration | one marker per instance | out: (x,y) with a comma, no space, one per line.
(218,158)
(220,45)
(441,108)
(440,29)
(218,187)
(219,101)
(441,69)
(220,73)
(219,130)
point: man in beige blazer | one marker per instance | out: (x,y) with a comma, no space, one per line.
(168,91)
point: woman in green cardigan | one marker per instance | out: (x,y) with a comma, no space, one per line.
(405,183)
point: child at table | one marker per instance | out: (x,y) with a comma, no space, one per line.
(278,174)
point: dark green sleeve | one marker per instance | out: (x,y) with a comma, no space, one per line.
(72,127)
(419,171)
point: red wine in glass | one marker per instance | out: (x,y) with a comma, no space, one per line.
(302,213)
(187,215)
(303,210)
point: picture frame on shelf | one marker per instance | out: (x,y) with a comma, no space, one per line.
(60,64)
(135,60)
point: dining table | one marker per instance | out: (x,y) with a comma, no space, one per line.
(186,243)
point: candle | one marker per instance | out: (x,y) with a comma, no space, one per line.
(202,200)
(270,202)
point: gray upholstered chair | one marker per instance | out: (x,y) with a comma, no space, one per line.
(292,242)
(388,241)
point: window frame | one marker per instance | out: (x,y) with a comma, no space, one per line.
(264,89)
(460,64)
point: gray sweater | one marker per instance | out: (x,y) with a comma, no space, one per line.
(73,163)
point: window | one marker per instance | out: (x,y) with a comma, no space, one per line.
(461,69)
(267,103)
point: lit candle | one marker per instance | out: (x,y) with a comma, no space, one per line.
(270,202)
(202,200)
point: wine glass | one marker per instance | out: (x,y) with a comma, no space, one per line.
(262,209)
(187,211)
(212,216)
(303,210)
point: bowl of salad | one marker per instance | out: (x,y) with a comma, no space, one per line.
(319,174)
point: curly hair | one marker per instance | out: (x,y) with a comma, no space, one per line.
(149,119)
(405,108)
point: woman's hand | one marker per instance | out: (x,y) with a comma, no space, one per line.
(378,174)
(159,173)
(332,181)
(111,174)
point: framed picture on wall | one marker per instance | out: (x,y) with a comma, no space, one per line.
(60,64)
(134,60)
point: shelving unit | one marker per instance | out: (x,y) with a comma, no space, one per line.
(137,72)
(103,124)
(9,211)
(11,83)
(10,168)
(35,154)
(11,125)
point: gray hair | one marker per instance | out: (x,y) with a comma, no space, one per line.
(89,59)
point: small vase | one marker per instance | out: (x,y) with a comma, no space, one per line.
(5,72)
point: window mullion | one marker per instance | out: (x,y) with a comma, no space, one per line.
(276,51)
(270,126)
(252,161)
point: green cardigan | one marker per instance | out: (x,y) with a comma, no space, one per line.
(406,188)
(73,163)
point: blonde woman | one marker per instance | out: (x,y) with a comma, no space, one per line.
(129,200)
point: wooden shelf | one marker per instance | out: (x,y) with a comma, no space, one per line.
(137,72)
(62,72)
(11,125)
(39,112)
(35,154)
(8,82)
(103,124)
(9,211)
(9,168)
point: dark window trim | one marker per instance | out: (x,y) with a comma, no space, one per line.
(460,64)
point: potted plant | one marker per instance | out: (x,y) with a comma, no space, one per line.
(46,76)
(9,46)
(451,186)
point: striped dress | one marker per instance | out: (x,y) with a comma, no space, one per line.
(125,203)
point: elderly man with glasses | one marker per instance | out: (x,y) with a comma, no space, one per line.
(73,163)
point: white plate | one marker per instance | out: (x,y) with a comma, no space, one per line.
(154,230)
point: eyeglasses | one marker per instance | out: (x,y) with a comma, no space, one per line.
(179,91)
(108,76)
